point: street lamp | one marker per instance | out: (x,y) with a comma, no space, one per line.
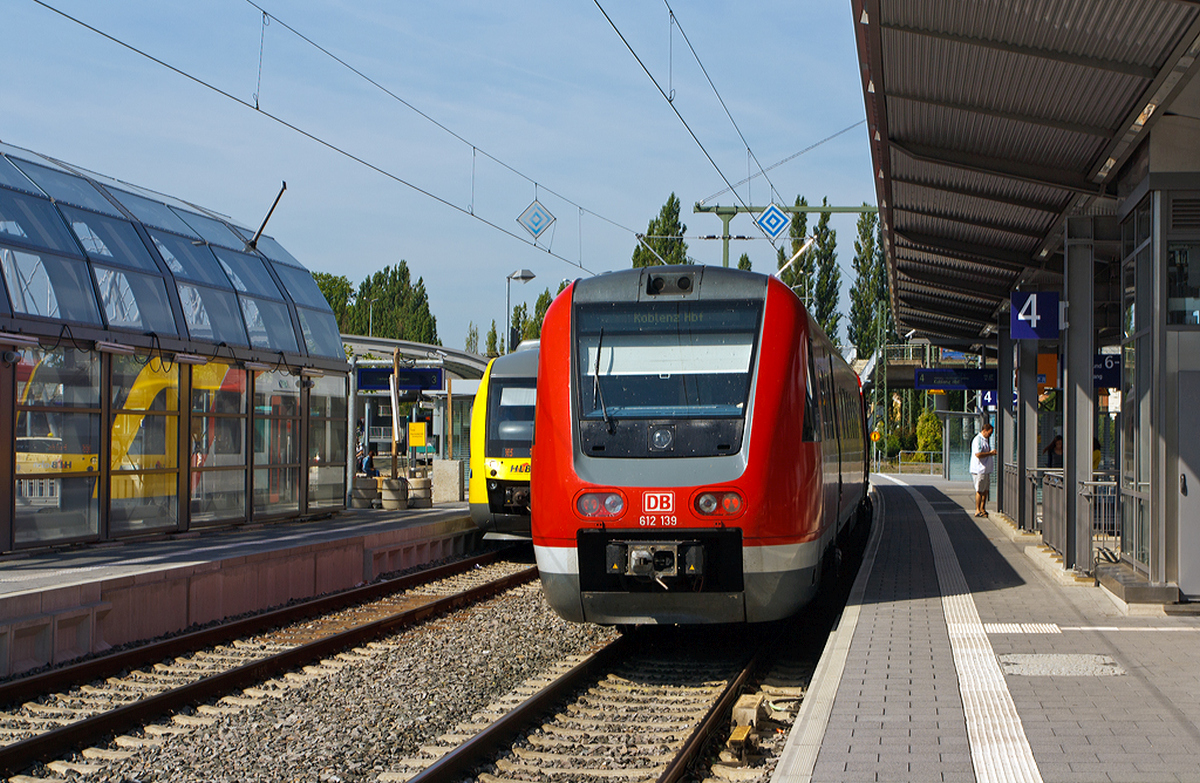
(524,275)
(370,317)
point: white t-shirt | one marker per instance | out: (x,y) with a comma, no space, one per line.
(985,465)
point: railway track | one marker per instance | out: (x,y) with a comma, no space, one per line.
(637,709)
(45,716)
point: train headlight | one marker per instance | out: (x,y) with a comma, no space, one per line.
(719,504)
(600,504)
(661,438)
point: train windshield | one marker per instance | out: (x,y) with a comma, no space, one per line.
(665,359)
(510,417)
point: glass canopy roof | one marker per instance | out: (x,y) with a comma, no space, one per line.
(83,255)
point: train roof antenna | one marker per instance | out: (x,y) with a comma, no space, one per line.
(253,243)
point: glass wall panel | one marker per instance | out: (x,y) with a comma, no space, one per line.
(67,187)
(12,178)
(276,252)
(154,213)
(269,324)
(218,447)
(276,480)
(212,315)
(144,451)
(248,274)
(49,286)
(302,288)
(109,240)
(57,445)
(188,261)
(321,336)
(134,301)
(1183,283)
(327,433)
(211,229)
(34,221)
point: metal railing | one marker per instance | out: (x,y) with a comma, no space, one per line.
(1054,509)
(1101,497)
(920,462)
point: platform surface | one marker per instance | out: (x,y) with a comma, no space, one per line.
(960,657)
(65,567)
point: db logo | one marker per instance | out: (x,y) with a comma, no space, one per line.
(658,502)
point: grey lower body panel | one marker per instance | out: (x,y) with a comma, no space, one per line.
(767,597)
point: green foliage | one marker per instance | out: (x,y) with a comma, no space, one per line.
(665,235)
(493,350)
(338,292)
(799,275)
(828,287)
(472,337)
(862,329)
(744,262)
(929,432)
(539,310)
(518,324)
(388,304)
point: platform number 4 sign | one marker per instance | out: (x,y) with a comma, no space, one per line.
(1034,315)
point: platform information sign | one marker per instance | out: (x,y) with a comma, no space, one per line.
(1033,315)
(953,379)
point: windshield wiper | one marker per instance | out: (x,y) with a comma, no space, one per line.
(597,390)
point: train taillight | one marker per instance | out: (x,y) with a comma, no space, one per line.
(719,504)
(600,504)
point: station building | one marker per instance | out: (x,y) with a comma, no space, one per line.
(162,368)
(1048,150)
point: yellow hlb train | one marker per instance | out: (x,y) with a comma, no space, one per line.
(501,434)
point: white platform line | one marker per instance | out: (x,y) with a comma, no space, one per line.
(1000,751)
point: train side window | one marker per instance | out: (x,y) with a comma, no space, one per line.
(810,431)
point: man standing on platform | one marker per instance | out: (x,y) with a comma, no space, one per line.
(983,457)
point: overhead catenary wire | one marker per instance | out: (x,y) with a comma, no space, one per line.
(671,103)
(791,157)
(721,100)
(475,149)
(313,137)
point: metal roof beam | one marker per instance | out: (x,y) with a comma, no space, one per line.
(1008,259)
(1025,232)
(1040,206)
(1029,119)
(999,167)
(1129,69)
(944,283)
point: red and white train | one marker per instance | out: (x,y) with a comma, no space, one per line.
(699,449)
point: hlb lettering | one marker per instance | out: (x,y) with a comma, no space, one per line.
(658,502)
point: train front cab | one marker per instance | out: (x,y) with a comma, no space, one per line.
(501,433)
(698,401)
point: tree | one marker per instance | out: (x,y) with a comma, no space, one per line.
(929,432)
(517,326)
(883,311)
(391,306)
(539,310)
(862,329)
(744,262)
(493,350)
(339,292)
(828,287)
(798,276)
(665,235)
(472,337)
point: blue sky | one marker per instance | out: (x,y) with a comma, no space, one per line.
(547,88)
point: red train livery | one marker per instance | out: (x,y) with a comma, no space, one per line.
(699,449)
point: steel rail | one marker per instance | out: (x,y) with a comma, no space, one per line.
(17,756)
(452,766)
(31,687)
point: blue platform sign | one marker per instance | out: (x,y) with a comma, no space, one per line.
(1033,315)
(773,221)
(1106,371)
(953,379)
(408,379)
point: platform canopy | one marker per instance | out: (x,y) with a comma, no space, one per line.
(87,258)
(991,123)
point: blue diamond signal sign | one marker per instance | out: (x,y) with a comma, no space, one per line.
(536,219)
(773,221)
